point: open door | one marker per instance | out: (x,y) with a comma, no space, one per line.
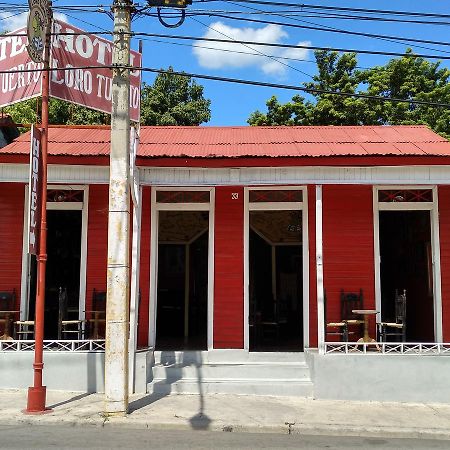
(406,263)
(275,281)
(182,283)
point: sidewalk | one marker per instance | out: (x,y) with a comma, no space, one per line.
(240,414)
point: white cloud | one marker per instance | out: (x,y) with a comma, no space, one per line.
(215,57)
(11,22)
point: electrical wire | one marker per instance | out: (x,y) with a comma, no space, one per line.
(335,8)
(241,81)
(340,30)
(318,28)
(271,44)
(263,44)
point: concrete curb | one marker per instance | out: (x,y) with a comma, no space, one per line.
(318,429)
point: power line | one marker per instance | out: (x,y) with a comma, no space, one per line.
(271,44)
(304,13)
(263,44)
(337,8)
(339,30)
(308,61)
(318,28)
(241,81)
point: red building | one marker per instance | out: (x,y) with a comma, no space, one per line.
(245,237)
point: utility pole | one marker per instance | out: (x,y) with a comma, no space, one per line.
(118,282)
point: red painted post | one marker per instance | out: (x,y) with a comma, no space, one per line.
(37,393)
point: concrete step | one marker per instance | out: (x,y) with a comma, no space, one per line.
(230,372)
(229,356)
(233,386)
(250,371)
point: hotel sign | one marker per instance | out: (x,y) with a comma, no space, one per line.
(80,70)
(35,192)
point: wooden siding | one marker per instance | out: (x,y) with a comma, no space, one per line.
(348,245)
(313,338)
(144,275)
(229,269)
(444,231)
(12,198)
(97,245)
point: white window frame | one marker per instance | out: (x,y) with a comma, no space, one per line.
(57,206)
(433,208)
(154,227)
(277,206)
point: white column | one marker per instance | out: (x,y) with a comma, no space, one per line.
(319,272)
(134,290)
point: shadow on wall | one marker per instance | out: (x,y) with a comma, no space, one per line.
(174,372)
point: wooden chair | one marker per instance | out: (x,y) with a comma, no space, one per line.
(67,327)
(7,312)
(97,319)
(397,328)
(339,328)
(349,323)
(349,302)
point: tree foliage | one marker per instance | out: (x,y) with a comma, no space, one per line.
(174,100)
(407,77)
(59,112)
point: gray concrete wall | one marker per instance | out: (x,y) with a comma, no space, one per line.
(399,378)
(70,371)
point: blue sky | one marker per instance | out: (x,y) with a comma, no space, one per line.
(231,103)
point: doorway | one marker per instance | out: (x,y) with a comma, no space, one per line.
(406,263)
(276,280)
(63,268)
(182,280)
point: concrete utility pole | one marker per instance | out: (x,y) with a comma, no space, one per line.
(117,305)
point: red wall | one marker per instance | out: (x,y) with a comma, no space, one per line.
(229,269)
(12,198)
(444,236)
(97,241)
(144,275)
(348,244)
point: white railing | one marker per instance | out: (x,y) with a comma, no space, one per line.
(393,348)
(85,345)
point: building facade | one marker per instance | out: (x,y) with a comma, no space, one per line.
(245,243)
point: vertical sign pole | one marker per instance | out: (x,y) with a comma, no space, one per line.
(118,282)
(37,393)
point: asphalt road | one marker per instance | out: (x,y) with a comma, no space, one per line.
(45,437)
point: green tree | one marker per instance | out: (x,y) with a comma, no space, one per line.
(60,113)
(174,100)
(407,77)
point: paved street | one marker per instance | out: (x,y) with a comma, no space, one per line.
(44,437)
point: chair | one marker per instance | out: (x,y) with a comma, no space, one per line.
(397,328)
(97,320)
(339,328)
(342,328)
(7,312)
(66,326)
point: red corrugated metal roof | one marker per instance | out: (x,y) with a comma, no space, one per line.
(232,142)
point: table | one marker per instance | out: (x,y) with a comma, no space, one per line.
(366,313)
(7,314)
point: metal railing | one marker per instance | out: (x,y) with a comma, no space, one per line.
(385,348)
(64,345)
